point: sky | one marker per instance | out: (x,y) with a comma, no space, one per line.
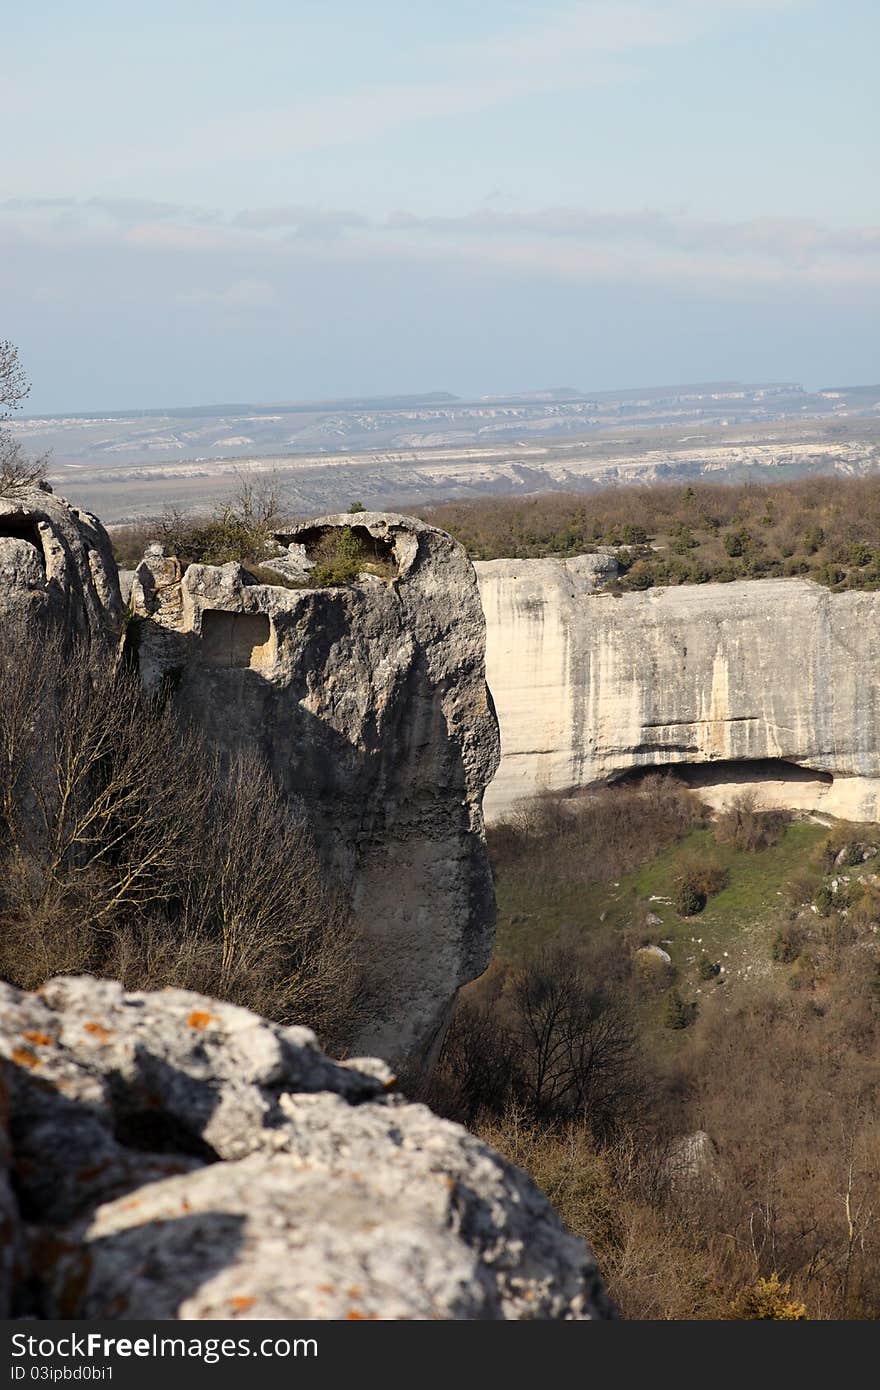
(205,201)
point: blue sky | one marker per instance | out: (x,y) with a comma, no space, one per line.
(213,201)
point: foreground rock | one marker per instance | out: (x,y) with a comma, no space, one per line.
(173,1157)
(766,686)
(369,701)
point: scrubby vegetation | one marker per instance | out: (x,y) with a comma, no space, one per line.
(824,528)
(129,849)
(241,529)
(344,552)
(710,1124)
(244,530)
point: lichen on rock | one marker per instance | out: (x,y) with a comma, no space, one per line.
(176,1157)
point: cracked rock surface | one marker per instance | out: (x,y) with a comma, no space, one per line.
(164,1155)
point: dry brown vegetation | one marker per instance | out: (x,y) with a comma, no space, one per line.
(742,825)
(827,528)
(129,849)
(592,838)
(241,529)
(244,530)
(727,1169)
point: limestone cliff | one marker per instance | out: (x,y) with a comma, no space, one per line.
(56,565)
(369,701)
(770,684)
(168,1156)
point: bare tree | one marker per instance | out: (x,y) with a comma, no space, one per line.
(575,1047)
(129,848)
(14,385)
(16,469)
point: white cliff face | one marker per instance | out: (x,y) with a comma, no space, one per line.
(589,685)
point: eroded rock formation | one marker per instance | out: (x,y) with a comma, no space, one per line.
(369,702)
(767,685)
(173,1157)
(56,565)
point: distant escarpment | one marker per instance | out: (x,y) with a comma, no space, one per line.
(766,685)
(168,1156)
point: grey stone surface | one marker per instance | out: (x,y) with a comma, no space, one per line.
(175,1157)
(589,685)
(369,701)
(56,564)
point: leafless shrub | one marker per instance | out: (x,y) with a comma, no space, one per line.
(127,847)
(17,470)
(594,837)
(747,828)
(242,528)
(14,385)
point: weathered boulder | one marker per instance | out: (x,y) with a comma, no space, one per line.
(56,565)
(761,685)
(175,1157)
(369,701)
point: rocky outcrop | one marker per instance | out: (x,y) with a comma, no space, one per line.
(174,1157)
(369,701)
(766,685)
(57,566)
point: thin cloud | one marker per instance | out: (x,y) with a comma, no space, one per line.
(573,243)
(590,42)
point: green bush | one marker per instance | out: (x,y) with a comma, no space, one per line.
(787,944)
(707,968)
(689,900)
(677,1013)
(341,555)
(852,855)
(736,543)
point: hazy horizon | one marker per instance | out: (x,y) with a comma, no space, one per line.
(431,393)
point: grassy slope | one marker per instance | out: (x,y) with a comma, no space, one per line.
(736,928)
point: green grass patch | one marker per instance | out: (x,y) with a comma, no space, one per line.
(740,919)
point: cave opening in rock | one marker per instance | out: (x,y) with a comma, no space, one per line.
(16,527)
(771,782)
(743,771)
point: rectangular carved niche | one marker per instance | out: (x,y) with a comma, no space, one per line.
(236,640)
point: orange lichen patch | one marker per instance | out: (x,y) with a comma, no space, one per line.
(38,1039)
(354,1292)
(200,1019)
(354,1316)
(326,1288)
(24,1057)
(132,1205)
(97,1030)
(242,1302)
(186,1205)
